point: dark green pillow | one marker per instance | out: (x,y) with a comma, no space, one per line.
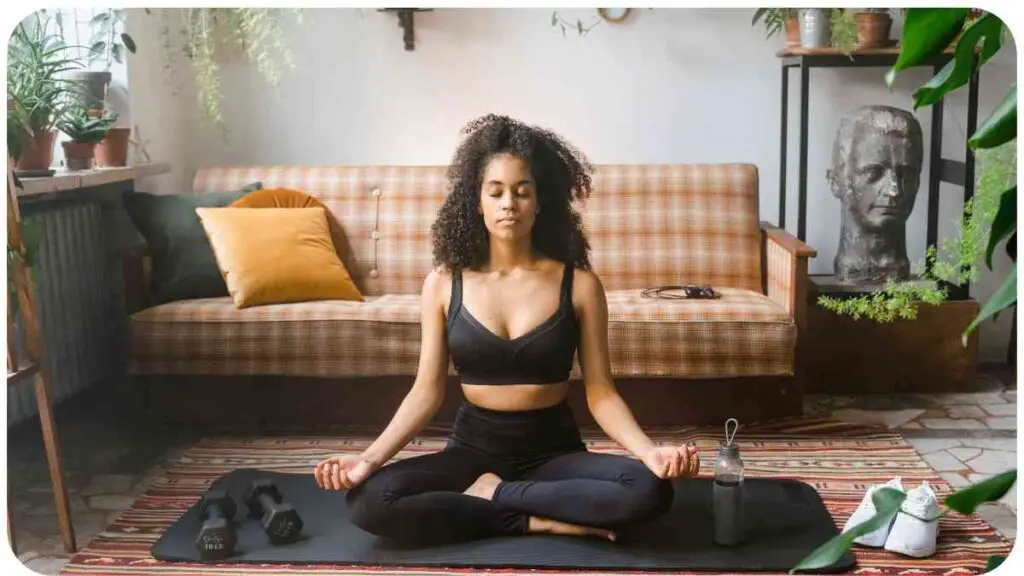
(182,261)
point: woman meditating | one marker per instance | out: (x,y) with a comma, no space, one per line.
(511,300)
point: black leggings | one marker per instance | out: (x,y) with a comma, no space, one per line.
(545,468)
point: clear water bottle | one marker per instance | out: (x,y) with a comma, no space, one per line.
(728,491)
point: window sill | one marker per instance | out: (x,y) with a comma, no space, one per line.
(63,180)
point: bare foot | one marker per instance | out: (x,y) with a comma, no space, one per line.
(484,486)
(549,526)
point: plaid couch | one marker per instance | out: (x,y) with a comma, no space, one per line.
(649,225)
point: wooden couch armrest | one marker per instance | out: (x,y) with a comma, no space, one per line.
(785,278)
(787,241)
(136,269)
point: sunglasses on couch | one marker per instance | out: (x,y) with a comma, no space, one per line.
(681,292)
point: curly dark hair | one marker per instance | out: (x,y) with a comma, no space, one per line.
(561,173)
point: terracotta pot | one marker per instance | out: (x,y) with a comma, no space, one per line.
(873,29)
(79,155)
(792,32)
(113,149)
(38,152)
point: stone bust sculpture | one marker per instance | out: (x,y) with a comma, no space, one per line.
(875,173)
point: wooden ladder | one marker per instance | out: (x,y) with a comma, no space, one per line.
(35,367)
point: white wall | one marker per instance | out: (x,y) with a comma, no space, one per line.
(668,85)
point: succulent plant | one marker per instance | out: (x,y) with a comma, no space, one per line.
(83,125)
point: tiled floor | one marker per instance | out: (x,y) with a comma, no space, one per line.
(966,437)
(109,461)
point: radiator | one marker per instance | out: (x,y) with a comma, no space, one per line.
(72,302)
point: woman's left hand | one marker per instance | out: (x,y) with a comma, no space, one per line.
(673,461)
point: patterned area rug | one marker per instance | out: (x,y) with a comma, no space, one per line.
(840,460)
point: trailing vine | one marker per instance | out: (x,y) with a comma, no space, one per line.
(207,32)
(958,257)
(843,30)
(578,27)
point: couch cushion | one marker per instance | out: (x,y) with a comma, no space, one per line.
(183,263)
(385,212)
(742,334)
(655,225)
(327,338)
(648,224)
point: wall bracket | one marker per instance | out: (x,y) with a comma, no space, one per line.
(405,22)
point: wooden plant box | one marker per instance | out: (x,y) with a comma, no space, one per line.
(926,354)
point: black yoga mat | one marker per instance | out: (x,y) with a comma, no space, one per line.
(785,520)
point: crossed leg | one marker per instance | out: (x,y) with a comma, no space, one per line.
(589,489)
(419,500)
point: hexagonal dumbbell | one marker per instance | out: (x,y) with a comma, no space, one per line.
(279,519)
(216,539)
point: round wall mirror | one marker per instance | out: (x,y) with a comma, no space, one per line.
(613,14)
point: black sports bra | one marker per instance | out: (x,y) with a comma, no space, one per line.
(544,355)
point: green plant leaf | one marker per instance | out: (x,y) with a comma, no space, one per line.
(115,51)
(926,32)
(1000,127)
(988,30)
(31,239)
(967,500)
(97,50)
(994,562)
(98,36)
(887,503)
(129,42)
(1005,297)
(1004,223)
(102,22)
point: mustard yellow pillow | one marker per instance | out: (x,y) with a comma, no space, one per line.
(277,198)
(276,255)
(291,198)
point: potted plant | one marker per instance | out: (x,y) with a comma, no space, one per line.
(113,149)
(827,27)
(38,92)
(873,27)
(777,18)
(85,128)
(815,27)
(108,44)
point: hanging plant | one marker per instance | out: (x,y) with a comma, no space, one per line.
(109,40)
(208,32)
(844,31)
(578,26)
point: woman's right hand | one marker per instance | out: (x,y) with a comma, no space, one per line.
(342,472)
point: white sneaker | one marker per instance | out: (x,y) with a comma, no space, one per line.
(909,535)
(866,511)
